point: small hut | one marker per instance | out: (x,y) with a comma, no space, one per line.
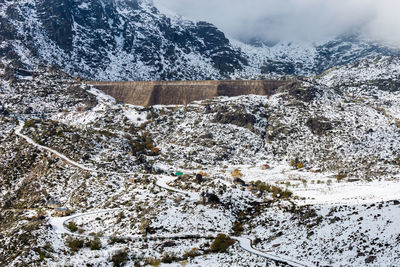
(265,167)
(52,204)
(61,212)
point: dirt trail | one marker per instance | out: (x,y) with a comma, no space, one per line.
(59,223)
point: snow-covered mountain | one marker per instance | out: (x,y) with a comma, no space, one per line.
(123,39)
(132,40)
(307,176)
(330,197)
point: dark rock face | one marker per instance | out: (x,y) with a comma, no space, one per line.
(132,40)
(75,138)
(279,68)
(199,178)
(319,125)
(303,94)
(391,85)
(117,40)
(57,18)
(218,48)
(345,50)
(239,181)
(213,198)
(207,136)
(9,74)
(7,31)
(370,259)
(237,119)
(294,89)
(3,111)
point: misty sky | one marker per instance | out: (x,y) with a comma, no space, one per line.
(294,20)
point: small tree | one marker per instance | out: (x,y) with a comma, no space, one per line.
(168,257)
(299,165)
(74,244)
(95,244)
(194,252)
(144,226)
(340,177)
(237,228)
(398,159)
(72,226)
(119,258)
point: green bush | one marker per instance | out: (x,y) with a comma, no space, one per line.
(95,244)
(221,243)
(153,262)
(340,177)
(286,194)
(72,226)
(194,252)
(119,258)
(74,244)
(30,123)
(115,239)
(144,144)
(398,159)
(276,191)
(263,187)
(237,228)
(168,258)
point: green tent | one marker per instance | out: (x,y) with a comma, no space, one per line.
(179,173)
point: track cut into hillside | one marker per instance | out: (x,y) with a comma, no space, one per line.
(58,224)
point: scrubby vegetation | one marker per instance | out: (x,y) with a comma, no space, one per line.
(72,226)
(95,244)
(119,258)
(296,163)
(221,243)
(130,153)
(75,244)
(276,191)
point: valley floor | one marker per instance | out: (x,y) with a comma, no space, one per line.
(322,192)
(308,176)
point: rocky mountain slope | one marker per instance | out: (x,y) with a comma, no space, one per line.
(132,40)
(307,175)
(349,128)
(331,142)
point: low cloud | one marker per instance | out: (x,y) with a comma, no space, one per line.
(295,20)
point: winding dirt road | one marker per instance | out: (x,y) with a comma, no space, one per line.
(59,223)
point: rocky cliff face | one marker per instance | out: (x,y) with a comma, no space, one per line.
(132,40)
(118,39)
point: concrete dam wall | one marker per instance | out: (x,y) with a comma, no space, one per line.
(183,92)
